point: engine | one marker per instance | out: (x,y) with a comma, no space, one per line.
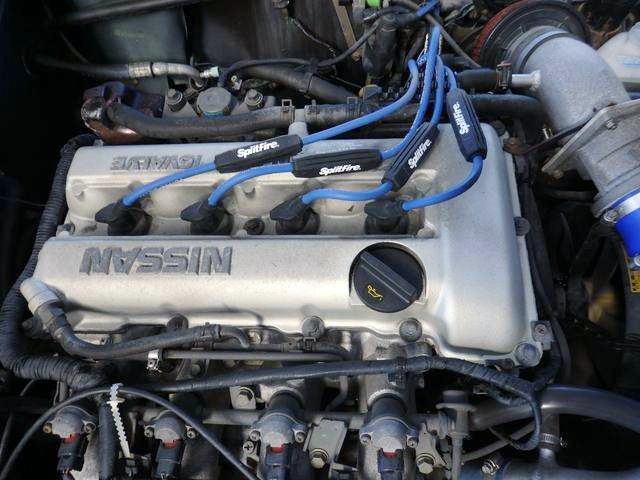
(356,241)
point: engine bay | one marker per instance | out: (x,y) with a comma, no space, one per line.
(366,239)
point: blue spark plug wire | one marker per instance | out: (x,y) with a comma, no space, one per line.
(456,190)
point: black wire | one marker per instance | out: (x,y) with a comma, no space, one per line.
(6,434)
(313,36)
(224,76)
(133,392)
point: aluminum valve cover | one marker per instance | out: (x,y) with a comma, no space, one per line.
(477,301)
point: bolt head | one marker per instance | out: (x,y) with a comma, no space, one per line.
(318,458)
(541,329)
(424,464)
(148,432)
(254,435)
(248,446)
(410,330)
(88,427)
(300,437)
(635,263)
(365,439)
(527,354)
(191,433)
(610,216)
(254,336)
(412,442)
(47,427)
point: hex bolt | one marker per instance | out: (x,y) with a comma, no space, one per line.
(318,458)
(254,226)
(365,439)
(425,464)
(254,336)
(527,354)
(412,442)
(254,99)
(47,427)
(248,447)
(89,427)
(313,327)
(300,436)
(410,330)
(148,431)
(254,435)
(191,433)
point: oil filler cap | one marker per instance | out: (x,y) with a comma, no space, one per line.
(386,278)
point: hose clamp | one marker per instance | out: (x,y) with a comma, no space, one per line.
(628,205)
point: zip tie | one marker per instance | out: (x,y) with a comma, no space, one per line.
(113,402)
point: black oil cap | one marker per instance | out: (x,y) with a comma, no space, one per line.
(387,278)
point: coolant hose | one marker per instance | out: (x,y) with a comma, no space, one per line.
(569,400)
(198,127)
(305,83)
(53,317)
(13,354)
(372,117)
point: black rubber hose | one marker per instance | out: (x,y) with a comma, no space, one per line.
(241,64)
(508,105)
(118,10)
(107,442)
(13,355)
(320,116)
(60,329)
(198,127)
(305,83)
(565,400)
(479,79)
(502,380)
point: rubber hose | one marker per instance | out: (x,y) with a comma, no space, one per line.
(63,333)
(569,400)
(479,79)
(13,356)
(108,443)
(320,117)
(198,127)
(305,83)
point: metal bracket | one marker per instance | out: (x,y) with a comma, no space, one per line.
(607,118)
